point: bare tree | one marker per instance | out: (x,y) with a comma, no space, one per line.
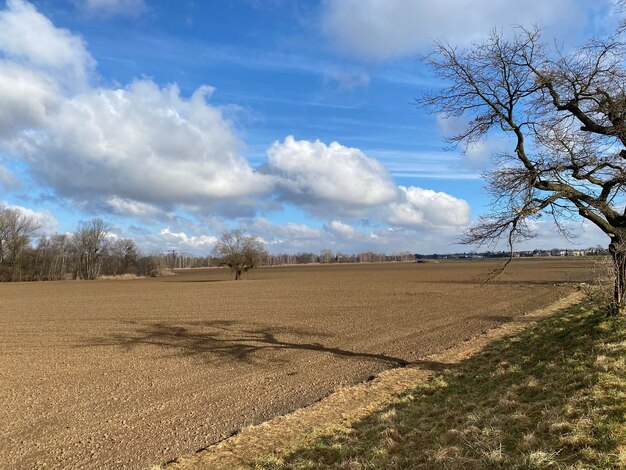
(565,115)
(16,230)
(90,245)
(123,255)
(239,251)
(53,258)
(620,6)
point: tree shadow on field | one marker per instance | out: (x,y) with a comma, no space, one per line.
(225,339)
(550,396)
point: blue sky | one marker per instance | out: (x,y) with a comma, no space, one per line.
(293,120)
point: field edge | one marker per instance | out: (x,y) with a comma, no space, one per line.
(343,407)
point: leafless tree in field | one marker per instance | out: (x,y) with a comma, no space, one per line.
(565,114)
(16,230)
(239,251)
(123,254)
(90,245)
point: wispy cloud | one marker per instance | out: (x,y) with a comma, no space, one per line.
(426,164)
(108,8)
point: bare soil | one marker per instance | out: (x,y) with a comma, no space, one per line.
(126,374)
(345,409)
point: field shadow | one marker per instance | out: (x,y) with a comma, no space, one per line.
(231,340)
(557,386)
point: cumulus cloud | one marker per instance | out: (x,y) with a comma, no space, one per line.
(26,99)
(362,27)
(334,181)
(134,209)
(133,148)
(141,143)
(428,209)
(146,151)
(28,37)
(339,228)
(329,178)
(194,243)
(112,7)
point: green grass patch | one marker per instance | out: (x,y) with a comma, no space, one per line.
(553,396)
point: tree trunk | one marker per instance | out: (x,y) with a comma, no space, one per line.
(618,254)
(237,275)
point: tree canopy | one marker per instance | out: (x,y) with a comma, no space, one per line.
(564,114)
(239,251)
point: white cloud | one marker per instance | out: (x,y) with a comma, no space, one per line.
(427,209)
(145,151)
(28,37)
(141,143)
(26,99)
(382,29)
(329,178)
(45,220)
(339,228)
(426,164)
(135,209)
(112,7)
(184,242)
(338,181)
(340,236)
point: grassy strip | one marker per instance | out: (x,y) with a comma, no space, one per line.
(552,396)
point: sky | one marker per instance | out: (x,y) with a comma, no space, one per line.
(293,120)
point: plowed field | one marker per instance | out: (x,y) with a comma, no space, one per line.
(125,374)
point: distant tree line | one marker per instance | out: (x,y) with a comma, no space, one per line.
(328,257)
(241,252)
(91,252)
(592,251)
(87,253)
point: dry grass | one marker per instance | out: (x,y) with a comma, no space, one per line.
(553,396)
(120,277)
(599,289)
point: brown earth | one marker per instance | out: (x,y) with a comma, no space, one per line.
(343,410)
(125,374)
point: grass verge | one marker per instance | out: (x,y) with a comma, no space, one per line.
(552,396)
